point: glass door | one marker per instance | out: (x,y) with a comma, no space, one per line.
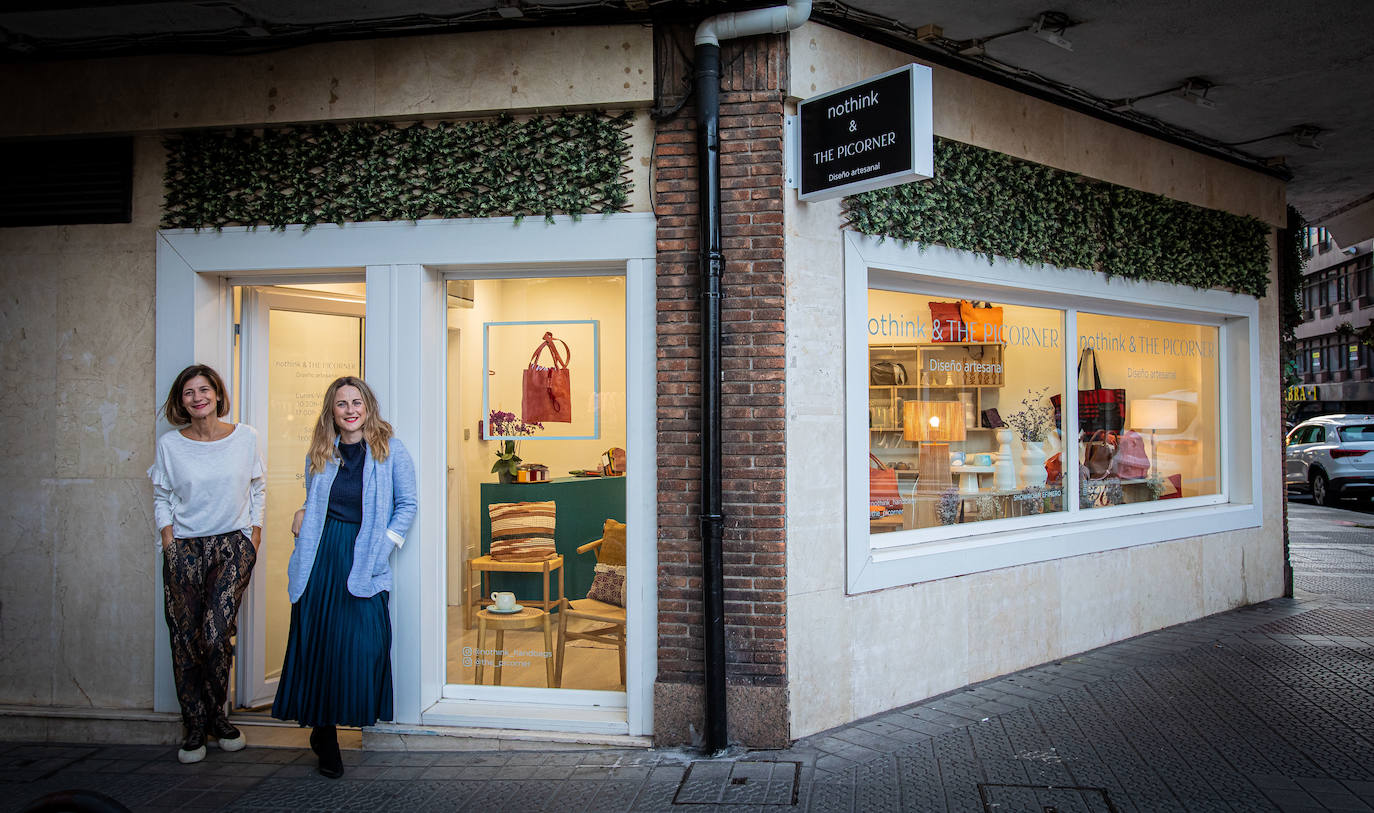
(295,341)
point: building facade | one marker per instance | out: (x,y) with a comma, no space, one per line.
(1333,353)
(474,214)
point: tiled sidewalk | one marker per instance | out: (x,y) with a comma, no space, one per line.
(1269,707)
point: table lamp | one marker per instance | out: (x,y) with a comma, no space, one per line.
(935,425)
(1154,414)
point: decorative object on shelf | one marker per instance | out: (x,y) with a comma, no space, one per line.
(613,462)
(507,465)
(1032,423)
(1154,414)
(1003,472)
(992,420)
(546,392)
(1066,220)
(935,425)
(887,374)
(989,507)
(532,473)
(1098,407)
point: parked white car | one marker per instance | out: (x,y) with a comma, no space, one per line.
(1332,456)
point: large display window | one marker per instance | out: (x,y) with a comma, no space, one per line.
(999,415)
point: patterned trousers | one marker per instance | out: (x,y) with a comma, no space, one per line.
(203,581)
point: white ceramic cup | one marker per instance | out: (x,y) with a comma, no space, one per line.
(505,602)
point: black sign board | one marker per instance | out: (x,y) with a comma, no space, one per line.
(868,135)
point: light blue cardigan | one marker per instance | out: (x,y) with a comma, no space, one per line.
(388,510)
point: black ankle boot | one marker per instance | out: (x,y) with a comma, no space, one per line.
(324,741)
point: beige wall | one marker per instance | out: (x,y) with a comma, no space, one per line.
(852,656)
(77,312)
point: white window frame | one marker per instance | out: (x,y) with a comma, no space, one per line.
(405,266)
(882,561)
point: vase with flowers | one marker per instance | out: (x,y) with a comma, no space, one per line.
(1032,422)
(504,425)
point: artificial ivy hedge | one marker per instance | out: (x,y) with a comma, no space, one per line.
(328,173)
(992,204)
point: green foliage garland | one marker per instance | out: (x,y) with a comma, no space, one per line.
(990,203)
(329,173)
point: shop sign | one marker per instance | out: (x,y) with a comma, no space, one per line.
(1301,393)
(868,135)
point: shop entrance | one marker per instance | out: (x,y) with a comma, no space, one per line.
(295,340)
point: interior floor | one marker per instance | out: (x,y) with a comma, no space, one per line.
(590,665)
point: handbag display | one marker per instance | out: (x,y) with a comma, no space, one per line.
(1099,408)
(546,392)
(1131,462)
(882,488)
(1098,454)
(984,324)
(947,323)
(886,374)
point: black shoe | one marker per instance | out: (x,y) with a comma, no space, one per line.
(228,737)
(324,741)
(192,748)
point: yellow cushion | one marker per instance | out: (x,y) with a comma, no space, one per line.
(612,551)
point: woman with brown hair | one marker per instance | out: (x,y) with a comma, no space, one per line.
(359,503)
(209,490)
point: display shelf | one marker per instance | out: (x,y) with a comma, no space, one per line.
(940,371)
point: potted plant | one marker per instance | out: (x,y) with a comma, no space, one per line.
(508,461)
(1032,423)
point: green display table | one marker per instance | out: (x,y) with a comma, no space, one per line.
(583,506)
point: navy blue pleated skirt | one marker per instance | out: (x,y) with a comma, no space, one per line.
(337,669)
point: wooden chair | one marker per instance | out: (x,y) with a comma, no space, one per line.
(610,617)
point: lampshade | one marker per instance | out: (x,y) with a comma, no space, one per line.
(933,421)
(1154,413)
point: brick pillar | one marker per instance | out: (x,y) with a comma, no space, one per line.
(752,73)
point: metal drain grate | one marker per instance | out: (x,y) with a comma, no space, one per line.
(754,782)
(1044,799)
(1330,621)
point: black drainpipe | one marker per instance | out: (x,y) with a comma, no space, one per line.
(711,265)
(727,26)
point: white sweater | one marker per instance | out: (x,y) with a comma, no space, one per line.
(205,488)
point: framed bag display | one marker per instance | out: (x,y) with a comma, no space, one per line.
(552,392)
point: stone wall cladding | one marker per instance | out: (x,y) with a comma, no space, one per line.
(751,125)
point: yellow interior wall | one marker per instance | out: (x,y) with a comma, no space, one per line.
(552,299)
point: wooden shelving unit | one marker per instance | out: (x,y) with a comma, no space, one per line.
(942,371)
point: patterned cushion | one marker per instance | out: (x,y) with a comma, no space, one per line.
(612,550)
(522,531)
(608,585)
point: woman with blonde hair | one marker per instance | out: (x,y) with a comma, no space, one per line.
(209,490)
(359,503)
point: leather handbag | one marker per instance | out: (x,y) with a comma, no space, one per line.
(947,324)
(546,392)
(1099,408)
(882,488)
(1098,453)
(984,324)
(886,374)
